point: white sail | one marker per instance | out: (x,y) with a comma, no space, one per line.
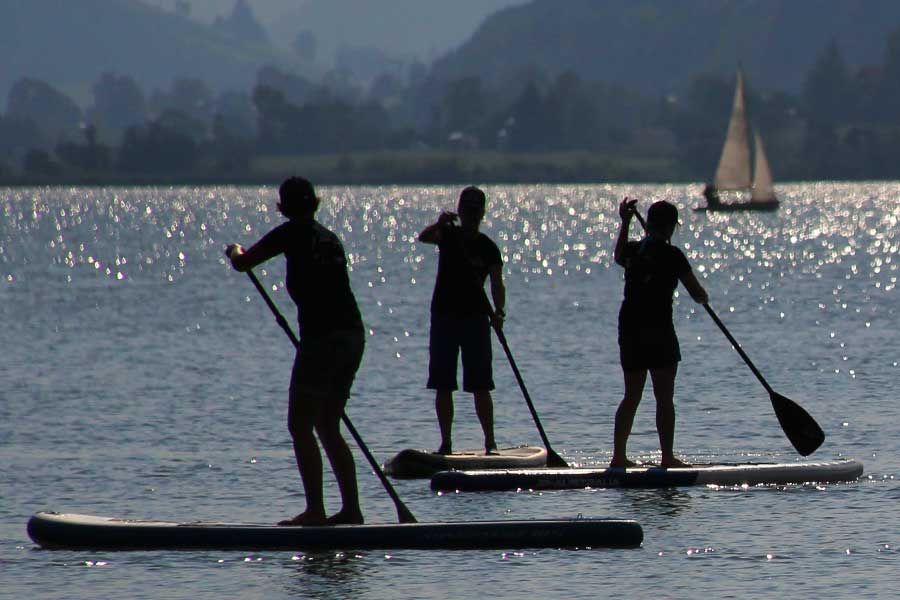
(733,172)
(763,191)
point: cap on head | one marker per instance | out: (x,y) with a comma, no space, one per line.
(297,197)
(472,196)
(662,214)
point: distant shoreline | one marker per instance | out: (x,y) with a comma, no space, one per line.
(430,167)
(393,168)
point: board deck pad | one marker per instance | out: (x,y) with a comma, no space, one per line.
(410,463)
(75,531)
(735,474)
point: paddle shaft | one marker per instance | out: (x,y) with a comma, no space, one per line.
(737,347)
(553,459)
(403,513)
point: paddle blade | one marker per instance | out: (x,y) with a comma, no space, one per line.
(799,427)
(555,460)
(404,516)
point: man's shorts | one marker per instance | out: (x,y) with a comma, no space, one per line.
(648,348)
(325,366)
(449,335)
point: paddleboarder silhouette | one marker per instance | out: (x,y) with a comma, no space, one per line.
(711,194)
(647,340)
(330,350)
(459,319)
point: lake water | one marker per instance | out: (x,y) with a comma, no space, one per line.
(144,378)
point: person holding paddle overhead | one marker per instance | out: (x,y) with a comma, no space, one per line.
(647,340)
(330,351)
(459,317)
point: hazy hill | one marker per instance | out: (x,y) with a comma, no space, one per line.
(657,46)
(421,29)
(69,43)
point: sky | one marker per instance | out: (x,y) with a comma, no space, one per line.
(420,29)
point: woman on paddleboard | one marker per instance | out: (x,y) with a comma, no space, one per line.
(330,351)
(647,340)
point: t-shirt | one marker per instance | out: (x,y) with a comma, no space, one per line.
(317,277)
(652,271)
(463,266)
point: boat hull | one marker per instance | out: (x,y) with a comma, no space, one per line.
(712,474)
(411,463)
(87,532)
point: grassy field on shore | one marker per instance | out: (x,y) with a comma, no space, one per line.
(390,167)
(384,167)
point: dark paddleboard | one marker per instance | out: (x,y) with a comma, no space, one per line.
(411,463)
(711,474)
(72,531)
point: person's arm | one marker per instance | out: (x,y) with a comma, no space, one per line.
(498,294)
(626,212)
(266,248)
(433,233)
(692,285)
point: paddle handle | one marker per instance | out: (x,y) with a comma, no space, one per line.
(404,515)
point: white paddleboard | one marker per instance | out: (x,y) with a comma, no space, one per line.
(411,463)
(706,474)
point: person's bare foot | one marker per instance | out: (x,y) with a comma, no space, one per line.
(346,518)
(305,519)
(491,451)
(622,463)
(673,463)
(445,449)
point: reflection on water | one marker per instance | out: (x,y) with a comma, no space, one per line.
(143,378)
(653,503)
(326,574)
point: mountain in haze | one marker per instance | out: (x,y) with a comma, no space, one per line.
(70,44)
(658,46)
(402,29)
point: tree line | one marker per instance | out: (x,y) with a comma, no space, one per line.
(842,124)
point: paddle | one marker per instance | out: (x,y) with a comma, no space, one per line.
(403,514)
(799,427)
(553,459)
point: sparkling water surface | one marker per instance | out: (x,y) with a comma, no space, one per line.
(142,377)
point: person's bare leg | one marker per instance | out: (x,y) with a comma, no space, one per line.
(484,408)
(664,390)
(634,389)
(301,418)
(341,459)
(443,406)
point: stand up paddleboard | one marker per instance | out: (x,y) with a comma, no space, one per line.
(71,531)
(712,474)
(411,463)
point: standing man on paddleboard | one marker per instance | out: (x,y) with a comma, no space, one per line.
(330,351)
(461,314)
(647,340)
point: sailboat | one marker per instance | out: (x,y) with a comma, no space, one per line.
(734,172)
